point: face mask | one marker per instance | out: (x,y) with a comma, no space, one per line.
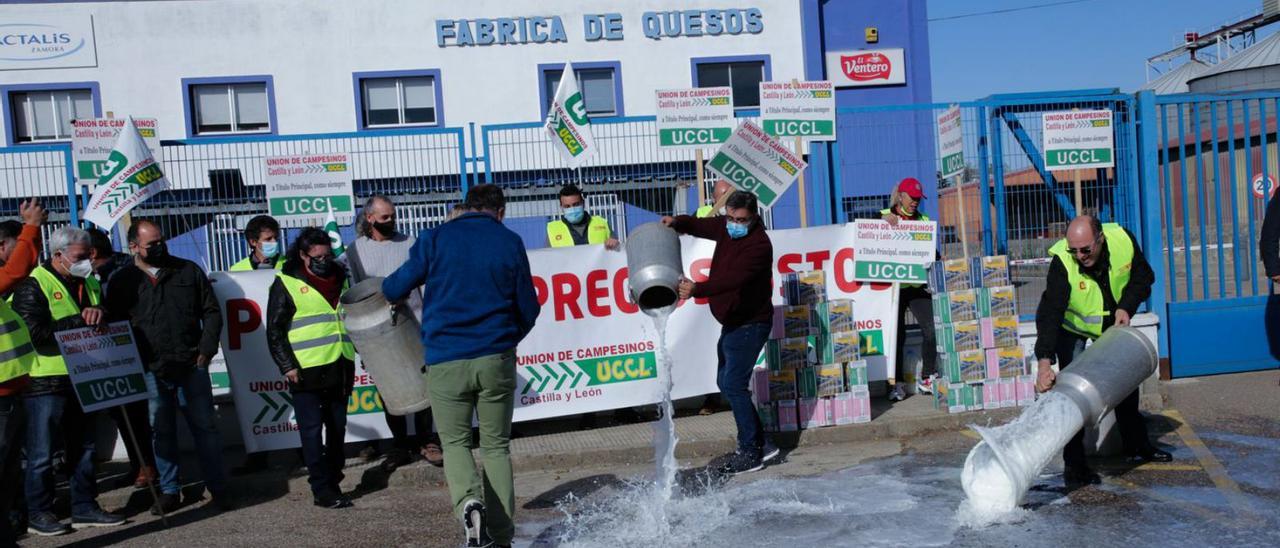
(156,252)
(386,229)
(81,269)
(574,214)
(737,230)
(322,267)
(270,249)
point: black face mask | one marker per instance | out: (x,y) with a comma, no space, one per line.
(322,267)
(386,229)
(157,252)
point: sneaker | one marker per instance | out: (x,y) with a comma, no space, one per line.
(769,452)
(46,524)
(166,504)
(925,385)
(333,502)
(898,393)
(473,524)
(95,518)
(741,463)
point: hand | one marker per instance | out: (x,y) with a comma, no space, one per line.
(667,220)
(292,375)
(92,315)
(1045,376)
(32,212)
(685,289)
(1276,278)
(612,244)
(202,361)
(1122,316)
(891,219)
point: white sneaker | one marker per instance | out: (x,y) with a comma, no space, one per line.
(898,393)
(925,385)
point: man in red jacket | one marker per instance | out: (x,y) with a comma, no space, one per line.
(739,291)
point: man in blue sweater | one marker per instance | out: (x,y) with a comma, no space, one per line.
(478,303)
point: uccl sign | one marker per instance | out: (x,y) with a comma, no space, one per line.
(868,67)
(61,41)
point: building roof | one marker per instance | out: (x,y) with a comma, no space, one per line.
(1175,81)
(1261,54)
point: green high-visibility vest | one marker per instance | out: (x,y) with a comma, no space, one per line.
(1086,309)
(246,264)
(61,306)
(316,334)
(17,355)
(704,211)
(558,232)
(923,217)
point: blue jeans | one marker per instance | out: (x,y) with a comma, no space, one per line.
(13,421)
(193,394)
(322,410)
(737,351)
(50,415)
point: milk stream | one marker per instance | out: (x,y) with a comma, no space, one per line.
(1001,467)
(664,430)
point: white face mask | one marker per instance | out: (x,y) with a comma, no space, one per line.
(81,269)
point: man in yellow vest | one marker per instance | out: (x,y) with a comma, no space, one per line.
(576,226)
(263,236)
(61,294)
(1097,279)
(19,253)
(718,196)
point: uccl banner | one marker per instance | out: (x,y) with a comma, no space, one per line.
(591,350)
(264,406)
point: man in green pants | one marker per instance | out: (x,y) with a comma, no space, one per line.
(477,307)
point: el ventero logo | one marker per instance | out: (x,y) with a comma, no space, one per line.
(557,381)
(37,42)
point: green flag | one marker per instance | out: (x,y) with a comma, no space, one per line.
(335,237)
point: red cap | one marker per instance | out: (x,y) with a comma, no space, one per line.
(912,187)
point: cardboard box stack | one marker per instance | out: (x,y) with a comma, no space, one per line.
(975,314)
(813,375)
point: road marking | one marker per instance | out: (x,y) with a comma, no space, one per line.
(1218,473)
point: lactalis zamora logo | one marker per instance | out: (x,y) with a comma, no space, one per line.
(866,66)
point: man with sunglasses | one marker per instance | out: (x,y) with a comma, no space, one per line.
(1097,279)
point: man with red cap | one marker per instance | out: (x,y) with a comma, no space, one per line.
(905,205)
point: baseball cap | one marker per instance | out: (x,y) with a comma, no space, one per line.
(912,187)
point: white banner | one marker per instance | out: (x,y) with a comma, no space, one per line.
(757,163)
(302,189)
(894,253)
(694,118)
(104,366)
(799,109)
(264,406)
(591,349)
(93,139)
(132,176)
(1077,139)
(951,141)
(567,123)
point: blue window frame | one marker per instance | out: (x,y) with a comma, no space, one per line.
(599,81)
(41,113)
(743,73)
(229,105)
(397,99)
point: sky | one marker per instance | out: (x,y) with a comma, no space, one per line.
(1079,45)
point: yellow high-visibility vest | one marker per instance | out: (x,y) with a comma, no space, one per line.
(246,264)
(558,232)
(61,305)
(1086,308)
(17,355)
(316,334)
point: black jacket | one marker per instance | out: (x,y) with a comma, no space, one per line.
(280,311)
(30,303)
(1269,244)
(1057,293)
(175,316)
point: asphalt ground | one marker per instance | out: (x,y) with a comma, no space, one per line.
(1225,481)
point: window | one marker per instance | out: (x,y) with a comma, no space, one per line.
(219,106)
(743,74)
(397,99)
(600,84)
(46,115)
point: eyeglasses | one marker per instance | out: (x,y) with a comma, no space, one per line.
(1084,250)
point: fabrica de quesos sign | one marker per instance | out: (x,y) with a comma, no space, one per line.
(656,25)
(36,42)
